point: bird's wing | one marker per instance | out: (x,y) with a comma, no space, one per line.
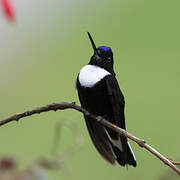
(116,100)
(98,135)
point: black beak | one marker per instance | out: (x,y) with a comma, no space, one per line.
(92,43)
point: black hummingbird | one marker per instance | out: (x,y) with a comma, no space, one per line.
(99,93)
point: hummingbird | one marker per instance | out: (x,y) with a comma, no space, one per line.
(100,94)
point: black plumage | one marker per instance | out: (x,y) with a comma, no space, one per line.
(99,93)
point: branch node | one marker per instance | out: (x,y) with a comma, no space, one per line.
(141,142)
(175,162)
(99,118)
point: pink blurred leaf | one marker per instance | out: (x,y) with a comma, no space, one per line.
(9,9)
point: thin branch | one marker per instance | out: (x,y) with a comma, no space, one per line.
(65,105)
(175,162)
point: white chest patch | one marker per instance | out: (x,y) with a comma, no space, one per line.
(91,74)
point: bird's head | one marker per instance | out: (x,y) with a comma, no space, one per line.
(102,57)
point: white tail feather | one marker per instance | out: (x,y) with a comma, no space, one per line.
(131,151)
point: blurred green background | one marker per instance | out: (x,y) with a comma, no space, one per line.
(42,53)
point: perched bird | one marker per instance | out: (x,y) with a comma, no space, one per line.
(99,93)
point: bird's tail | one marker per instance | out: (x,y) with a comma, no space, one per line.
(131,159)
(126,156)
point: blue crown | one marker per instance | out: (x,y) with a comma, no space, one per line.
(105,48)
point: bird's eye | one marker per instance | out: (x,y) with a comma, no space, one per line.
(109,59)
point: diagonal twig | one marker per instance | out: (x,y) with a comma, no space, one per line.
(65,105)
